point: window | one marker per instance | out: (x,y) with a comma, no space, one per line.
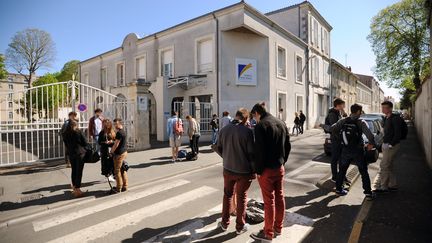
(120,74)
(10,96)
(204,56)
(10,115)
(167,61)
(10,79)
(103,78)
(325,73)
(316,31)
(10,86)
(10,104)
(281,62)
(299,69)
(325,41)
(282,106)
(315,70)
(299,102)
(141,68)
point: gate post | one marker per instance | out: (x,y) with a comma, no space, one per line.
(141,119)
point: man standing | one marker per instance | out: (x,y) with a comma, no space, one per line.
(272,147)
(174,131)
(351,130)
(95,127)
(392,135)
(235,145)
(71,117)
(225,120)
(119,153)
(215,128)
(333,116)
(194,134)
(302,121)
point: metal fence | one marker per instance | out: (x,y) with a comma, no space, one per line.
(201,111)
(30,119)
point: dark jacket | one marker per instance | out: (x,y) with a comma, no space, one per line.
(297,120)
(235,145)
(302,118)
(333,116)
(214,124)
(337,127)
(75,143)
(102,138)
(392,129)
(272,143)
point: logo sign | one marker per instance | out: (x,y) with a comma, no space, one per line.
(82,107)
(246,71)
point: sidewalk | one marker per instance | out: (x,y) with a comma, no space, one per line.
(406,215)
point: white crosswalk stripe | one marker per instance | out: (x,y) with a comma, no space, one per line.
(134,217)
(115,201)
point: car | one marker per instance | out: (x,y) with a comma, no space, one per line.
(376,128)
(377,116)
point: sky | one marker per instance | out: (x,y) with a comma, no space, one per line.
(84,28)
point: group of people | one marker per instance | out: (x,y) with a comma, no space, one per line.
(299,120)
(109,139)
(347,146)
(251,152)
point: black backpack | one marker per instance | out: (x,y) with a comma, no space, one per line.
(351,134)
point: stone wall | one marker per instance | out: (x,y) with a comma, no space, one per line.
(423,119)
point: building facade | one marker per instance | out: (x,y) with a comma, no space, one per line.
(364,96)
(233,57)
(308,24)
(11,107)
(344,83)
(376,99)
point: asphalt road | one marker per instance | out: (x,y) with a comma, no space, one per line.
(186,208)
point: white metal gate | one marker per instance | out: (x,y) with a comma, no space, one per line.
(30,119)
(201,111)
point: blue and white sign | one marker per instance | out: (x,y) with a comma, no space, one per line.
(246,71)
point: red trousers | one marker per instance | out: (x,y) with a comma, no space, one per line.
(271,183)
(242,184)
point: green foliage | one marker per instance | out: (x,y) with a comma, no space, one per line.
(3,72)
(50,95)
(69,69)
(400,40)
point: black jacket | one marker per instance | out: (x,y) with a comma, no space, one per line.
(333,117)
(297,121)
(272,143)
(302,118)
(392,129)
(76,143)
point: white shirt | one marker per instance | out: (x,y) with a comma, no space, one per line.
(225,121)
(98,126)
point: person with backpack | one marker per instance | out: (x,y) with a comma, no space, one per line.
(174,131)
(214,124)
(302,121)
(71,117)
(235,146)
(395,130)
(272,148)
(194,134)
(351,130)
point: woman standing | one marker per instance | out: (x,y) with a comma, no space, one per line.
(106,140)
(296,123)
(76,143)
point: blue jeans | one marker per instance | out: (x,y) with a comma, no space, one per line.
(214,135)
(355,155)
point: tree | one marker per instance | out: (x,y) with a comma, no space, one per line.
(3,72)
(400,41)
(69,69)
(30,50)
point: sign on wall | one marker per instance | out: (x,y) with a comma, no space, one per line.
(142,103)
(246,71)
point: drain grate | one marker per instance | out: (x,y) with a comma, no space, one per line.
(353,172)
(30,198)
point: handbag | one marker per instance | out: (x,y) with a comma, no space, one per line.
(91,156)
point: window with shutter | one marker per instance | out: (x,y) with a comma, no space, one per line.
(204,56)
(167,63)
(141,68)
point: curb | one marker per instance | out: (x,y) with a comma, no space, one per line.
(71,203)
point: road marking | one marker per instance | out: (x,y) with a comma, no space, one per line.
(299,182)
(192,231)
(299,169)
(115,201)
(132,218)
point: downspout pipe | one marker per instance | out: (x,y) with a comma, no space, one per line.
(217,64)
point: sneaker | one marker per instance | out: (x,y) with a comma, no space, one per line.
(245,228)
(380,191)
(342,192)
(369,196)
(261,236)
(123,189)
(276,233)
(111,178)
(222,227)
(173,160)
